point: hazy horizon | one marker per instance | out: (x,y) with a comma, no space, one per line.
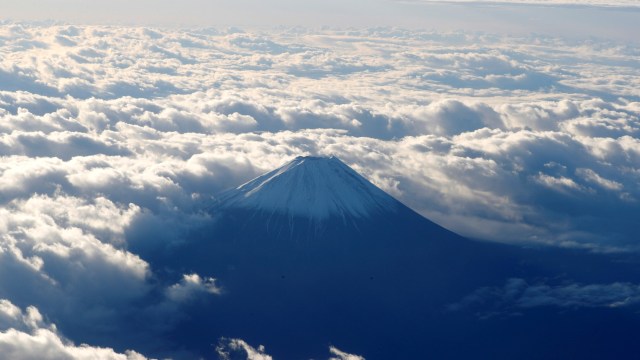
(578,21)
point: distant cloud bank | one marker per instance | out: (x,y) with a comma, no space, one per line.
(597,3)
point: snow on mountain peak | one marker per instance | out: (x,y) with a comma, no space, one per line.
(313,187)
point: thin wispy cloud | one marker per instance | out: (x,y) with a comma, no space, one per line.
(518,295)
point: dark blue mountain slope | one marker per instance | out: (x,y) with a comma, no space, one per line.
(312,255)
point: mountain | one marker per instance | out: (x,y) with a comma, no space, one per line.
(318,203)
(312,254)
(312,187)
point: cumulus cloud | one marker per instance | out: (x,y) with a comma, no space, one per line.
(50,238)
(68,256)
(24,335)
(238,349)
(190,286)
(338,354)
(229,349)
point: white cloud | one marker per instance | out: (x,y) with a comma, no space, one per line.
(341,355)
(63,262)
(25,336)
(190,286)
(228,349)
(593,177)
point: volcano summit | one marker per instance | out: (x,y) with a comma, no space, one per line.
(312,187)
(317,199)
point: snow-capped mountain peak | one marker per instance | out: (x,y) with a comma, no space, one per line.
(313,187)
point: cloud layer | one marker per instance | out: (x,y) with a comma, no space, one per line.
(491,137)
(114,140)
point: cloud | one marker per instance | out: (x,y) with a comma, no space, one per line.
(190,286)
(228,349)
(115,140)
(68,255)
(449,97)
(24,335)
(518,294)
(341,355)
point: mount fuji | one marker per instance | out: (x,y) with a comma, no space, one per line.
(319,203)
(314,188)
(312,254)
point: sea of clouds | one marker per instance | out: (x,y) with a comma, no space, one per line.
(114,139)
